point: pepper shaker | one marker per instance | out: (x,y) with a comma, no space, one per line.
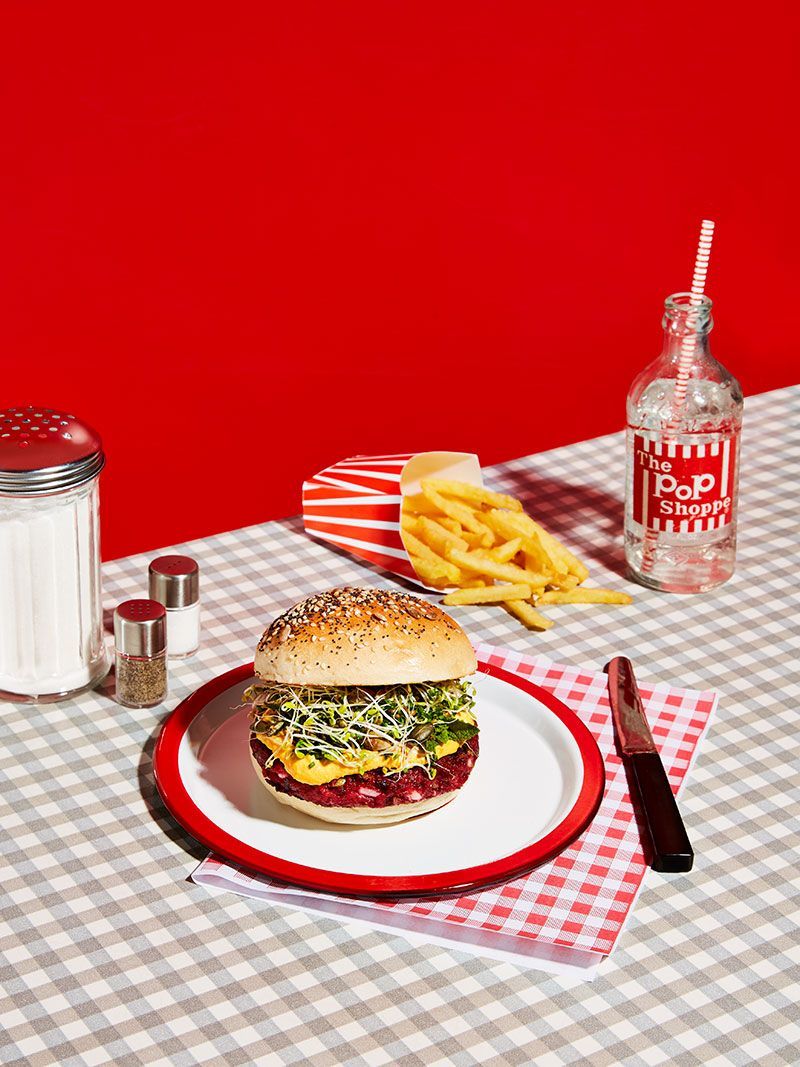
(140,635)
(175,583)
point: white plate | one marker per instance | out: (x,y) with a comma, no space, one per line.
(533,768)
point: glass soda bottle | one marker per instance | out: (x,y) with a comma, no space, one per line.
(684,417)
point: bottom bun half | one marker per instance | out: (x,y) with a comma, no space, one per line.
(354,815)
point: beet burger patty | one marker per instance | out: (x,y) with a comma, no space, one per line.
(362,712)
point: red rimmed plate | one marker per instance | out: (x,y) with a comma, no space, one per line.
(536,786)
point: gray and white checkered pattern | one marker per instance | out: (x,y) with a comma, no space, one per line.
(111,956)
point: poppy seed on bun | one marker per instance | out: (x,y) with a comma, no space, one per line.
(363,637)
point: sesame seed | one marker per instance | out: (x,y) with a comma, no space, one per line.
(362,610)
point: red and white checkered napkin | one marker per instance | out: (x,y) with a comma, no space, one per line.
(573,908)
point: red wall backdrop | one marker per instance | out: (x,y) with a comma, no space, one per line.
(245,240)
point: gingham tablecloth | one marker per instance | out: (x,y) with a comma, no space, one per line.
(111,956)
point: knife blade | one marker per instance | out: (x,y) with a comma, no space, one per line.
(664,836)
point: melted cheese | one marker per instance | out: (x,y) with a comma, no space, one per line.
(313,771)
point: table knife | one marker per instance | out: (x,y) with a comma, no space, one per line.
(664,836)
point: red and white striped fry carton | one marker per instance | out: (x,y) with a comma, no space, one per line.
(355,504)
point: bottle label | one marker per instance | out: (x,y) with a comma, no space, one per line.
(683,488)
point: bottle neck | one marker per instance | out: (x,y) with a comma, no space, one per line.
(687,322)
(678,346)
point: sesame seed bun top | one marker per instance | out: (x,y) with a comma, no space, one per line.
(363,637)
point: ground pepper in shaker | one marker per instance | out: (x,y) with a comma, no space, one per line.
(175,583)
(140,635)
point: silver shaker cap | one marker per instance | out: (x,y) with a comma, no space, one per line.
(140,628)
(175,581)
(46,451)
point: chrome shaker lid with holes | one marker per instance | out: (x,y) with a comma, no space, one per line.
(175,581)
(140,628)
(45,451)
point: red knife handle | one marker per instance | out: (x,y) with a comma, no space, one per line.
(664,832)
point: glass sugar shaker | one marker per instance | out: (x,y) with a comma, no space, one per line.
(140,636)
(51,618)
(175,583)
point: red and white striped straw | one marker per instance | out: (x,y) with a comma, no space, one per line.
(695,300)
(688,344)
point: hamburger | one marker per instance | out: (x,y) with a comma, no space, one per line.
(362,712)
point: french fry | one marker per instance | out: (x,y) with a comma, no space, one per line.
(585,596)
(437,536)
(493,595)
(504,524)
(475,494)
(510,525)
(409,521)
(542,540)
(503,572)
(460,512)
(565,582)
(555,548)
(418,504)
(419,550)
(478,541)
(505,553)
(530,616)
(450,524)
(535,563)
(432,572)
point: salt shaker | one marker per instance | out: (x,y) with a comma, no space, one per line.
(175,583)
(140,636)
(51,618)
